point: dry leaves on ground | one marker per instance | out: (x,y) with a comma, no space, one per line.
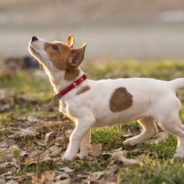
(31,146)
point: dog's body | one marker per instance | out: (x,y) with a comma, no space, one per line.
(147,96)
(105,102)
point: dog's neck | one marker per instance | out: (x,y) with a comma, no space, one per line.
(58,81)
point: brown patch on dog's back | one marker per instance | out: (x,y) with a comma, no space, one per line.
(120,100)
(83,90)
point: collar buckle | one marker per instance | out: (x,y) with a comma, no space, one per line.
(73,85)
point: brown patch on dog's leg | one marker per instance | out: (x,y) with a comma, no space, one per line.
(83,90)
(120,100)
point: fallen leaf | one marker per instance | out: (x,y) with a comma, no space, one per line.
(32,119)
(14,148)
(45,157)
(66,170)
(9,176)
(55,151)
(106,176)
(12,182)
(4,106)
(120,155)
(20,132)
(159,137)
(95,150)
(3,94)
(47,177)
(63,178)
(2,181)
(49,136)
(97,175)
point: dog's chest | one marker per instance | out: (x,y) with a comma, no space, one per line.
(63,107)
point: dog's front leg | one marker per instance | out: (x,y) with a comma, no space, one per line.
(82,126)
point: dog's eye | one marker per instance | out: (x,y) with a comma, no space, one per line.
(55,47)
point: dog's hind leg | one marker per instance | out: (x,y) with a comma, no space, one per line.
(149,130)
(173,126)
(168,115)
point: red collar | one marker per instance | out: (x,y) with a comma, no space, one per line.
(71,86)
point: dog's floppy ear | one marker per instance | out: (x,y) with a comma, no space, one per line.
(77,56)
(70,41)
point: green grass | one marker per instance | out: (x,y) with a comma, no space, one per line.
(107,137)
(157,167)
(164,150)
(166,69)
(153,172)
(26,82)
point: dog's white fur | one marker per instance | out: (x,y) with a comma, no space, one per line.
(153,101)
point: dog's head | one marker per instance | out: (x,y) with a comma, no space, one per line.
(57,55)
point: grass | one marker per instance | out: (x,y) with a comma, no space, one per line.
(154,172)
(157,167)
(166,69)
(27,82)
(107,136)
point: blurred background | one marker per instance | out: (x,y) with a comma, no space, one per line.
(125,38)
(113,29)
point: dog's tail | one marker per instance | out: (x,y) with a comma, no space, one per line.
(176,84)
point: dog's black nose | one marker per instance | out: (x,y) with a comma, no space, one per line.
(34,38)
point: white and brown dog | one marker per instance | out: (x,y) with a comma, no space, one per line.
(92,103)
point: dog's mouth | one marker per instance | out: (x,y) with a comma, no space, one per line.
(36,55)
(33,51)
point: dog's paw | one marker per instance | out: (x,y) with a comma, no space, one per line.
(82,155)
(129,142)
(67,157)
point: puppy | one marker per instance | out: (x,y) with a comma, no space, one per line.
(91,103)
